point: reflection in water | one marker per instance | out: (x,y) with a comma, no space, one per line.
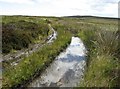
(71,58)
(67,69)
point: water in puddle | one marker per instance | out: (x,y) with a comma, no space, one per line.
(67,69)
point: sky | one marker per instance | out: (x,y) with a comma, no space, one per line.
(103,8)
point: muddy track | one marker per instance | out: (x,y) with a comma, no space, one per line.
(16,57)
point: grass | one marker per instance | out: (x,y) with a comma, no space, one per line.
(101,72)
(103,64)
(100,38)
(36,62)
(102,42)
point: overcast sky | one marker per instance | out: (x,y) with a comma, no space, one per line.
(105,8)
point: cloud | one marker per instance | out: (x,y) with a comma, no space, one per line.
(18,1)
(107,8)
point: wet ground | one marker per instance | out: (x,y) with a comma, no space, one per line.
(17,57)
(67,70)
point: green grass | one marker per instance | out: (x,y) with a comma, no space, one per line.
(101,72)
(36,62)
(103,62)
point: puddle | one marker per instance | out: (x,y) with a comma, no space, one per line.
(67,69)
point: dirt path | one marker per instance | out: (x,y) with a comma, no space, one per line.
(15,58)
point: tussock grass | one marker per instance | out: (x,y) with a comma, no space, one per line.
(102,72)
(103,64)
(107,42)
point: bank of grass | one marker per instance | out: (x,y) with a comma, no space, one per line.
(18,32)
(32,66)
(103,65)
